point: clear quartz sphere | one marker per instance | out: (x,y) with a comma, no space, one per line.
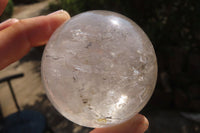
(99,69)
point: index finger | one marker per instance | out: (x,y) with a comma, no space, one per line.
(17,39)
(3,4)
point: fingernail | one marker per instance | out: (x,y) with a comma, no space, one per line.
(146,123)
(57,12)
(11,21)
(60,12)
(140,123)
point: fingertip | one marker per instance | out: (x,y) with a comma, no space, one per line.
(8,23)
(61,13)
(13,20)
(146,124)
(140,123)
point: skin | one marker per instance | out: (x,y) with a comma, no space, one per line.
(19,36)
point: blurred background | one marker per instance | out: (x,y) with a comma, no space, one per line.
(173,26)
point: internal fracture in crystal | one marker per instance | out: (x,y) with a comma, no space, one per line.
(99,69)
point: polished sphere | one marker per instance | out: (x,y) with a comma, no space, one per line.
(99,69)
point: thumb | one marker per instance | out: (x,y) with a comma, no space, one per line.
(138,124)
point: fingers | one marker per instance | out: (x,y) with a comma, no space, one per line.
(3,4)
(17,39)
(138,124)
(8,23)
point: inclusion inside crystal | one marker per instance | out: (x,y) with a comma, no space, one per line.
(99,69)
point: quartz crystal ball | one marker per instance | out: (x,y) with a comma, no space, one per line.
(99,69)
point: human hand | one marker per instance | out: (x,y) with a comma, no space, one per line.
(17,37)
(138,124)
